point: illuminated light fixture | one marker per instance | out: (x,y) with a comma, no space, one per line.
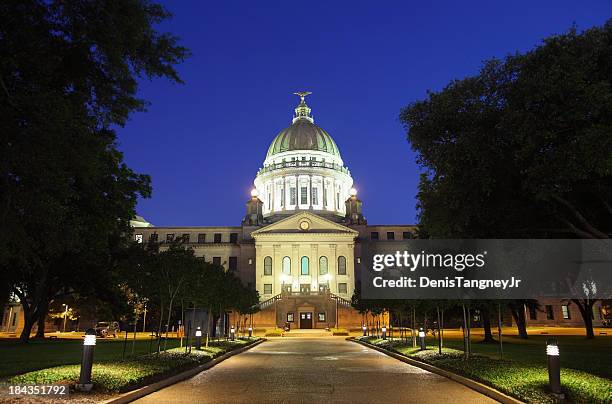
(250,332)
(554,366)
(90,340)
(422,338)
(254,192)
(365,329)
(89,343)
(198,335)
(232,333)
(198,332)
(353,192)
(384,332)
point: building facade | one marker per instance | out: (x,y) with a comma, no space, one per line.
(300,240)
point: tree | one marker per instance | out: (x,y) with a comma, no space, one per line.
(68,75)
(523,149)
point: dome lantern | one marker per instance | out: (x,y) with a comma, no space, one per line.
(302,111)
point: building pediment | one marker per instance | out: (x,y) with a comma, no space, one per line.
(304,223)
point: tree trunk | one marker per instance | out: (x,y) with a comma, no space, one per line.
(43,309)
(486,323)
(586,310)
(518,314)
(28,323)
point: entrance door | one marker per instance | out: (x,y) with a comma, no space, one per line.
(305,320)
(305,288)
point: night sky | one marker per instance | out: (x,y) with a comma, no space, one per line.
(203,142)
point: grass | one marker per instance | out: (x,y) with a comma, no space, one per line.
(274,332)
(123,375)
(38,354)
(523,373)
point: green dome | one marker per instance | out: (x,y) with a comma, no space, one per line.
(303,135)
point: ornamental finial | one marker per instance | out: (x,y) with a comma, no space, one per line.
(302,111)
(302,94)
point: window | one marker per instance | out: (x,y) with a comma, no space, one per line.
(268,266)
(305,266)
(321,317)
(549,312)
(286,288)
(341,265)
(407,235)
(324,194)
(390,235)
(292,197)
(338,201)
(323,266)
(315,196)
(217,260)
(169,237)
(287,265)
(342,288)
(233,263)
(533,315)
(201,238)
(290,317)
(282,197)
(323,287)
(234,238)
(186,238)
(138,238)
(267,288)
(374,235)
(303,195)
(217,237)
(566,312)
(153,237)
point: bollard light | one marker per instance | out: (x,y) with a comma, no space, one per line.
(250,332)
(384,332)
(422,338)
(198,335)
(554,366)
(365,329)
(89,343)
(232,333)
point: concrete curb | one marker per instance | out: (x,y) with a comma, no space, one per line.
(474,385)
(143,391)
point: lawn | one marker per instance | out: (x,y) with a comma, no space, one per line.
(111,375)
(39,354)
(585,375)
(576,352)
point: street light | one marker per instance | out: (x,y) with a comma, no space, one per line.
(554,366)
(365,329)
(232,333)
(250,332)
(384,332)
(422,338)
(89,343)
(198,335)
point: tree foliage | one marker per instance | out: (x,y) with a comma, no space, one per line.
(68,76)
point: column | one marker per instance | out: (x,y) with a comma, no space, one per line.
(332,266)
(310,192)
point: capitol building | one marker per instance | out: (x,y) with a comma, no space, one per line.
(300,241)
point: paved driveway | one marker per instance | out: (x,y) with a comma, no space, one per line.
(317,370)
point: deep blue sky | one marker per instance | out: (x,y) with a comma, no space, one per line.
(203,142)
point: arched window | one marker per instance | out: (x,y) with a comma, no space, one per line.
(323,266)
(268,266)
(287,265)
(341,265)
(305,266)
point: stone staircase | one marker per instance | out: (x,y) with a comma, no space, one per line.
(307,333)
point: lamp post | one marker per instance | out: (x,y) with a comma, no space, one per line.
(65,316)
(422,338)
(250,332)
(365,329)
(198,335)
(89,343)
(554,366)
(232,333)
(384,332)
